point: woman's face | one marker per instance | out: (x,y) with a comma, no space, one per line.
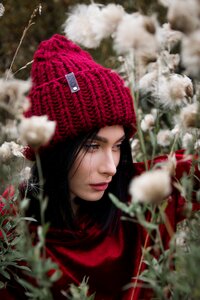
(96,164)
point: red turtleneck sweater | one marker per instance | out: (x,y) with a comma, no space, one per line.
(109,260)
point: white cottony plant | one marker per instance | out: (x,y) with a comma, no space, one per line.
(36,131)
(145,188)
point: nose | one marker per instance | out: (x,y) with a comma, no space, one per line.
(108,165)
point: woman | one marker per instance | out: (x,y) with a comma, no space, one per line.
(88,158)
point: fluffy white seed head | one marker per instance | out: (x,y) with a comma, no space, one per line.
(173,90)
(189,116)
(78,26)
(176,130)
(36,131)
(146,83)
(165,3)
(187,140)
(2,9)
(181,238)
(164,137)
(10,130)
(151,187)
(180,87)
(9,150)
(184,15)
(25,174)
(135,148)
(89,24)
(13,98)
(167,37)
(105,24)
(136,32)
(170,62)
(148,122)
(190,53)
(197,145)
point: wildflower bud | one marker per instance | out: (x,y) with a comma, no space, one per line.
(36,131)
(145,188)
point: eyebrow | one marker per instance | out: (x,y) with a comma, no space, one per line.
(104,140)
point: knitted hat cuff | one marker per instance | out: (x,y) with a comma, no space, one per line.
(100,100)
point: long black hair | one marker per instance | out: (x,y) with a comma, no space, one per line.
(56,163)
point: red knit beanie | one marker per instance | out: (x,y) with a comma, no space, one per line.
(72,89)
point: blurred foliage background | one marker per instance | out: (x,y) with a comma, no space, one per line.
(53,14)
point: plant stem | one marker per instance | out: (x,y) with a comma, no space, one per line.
(30,23)
(140,266)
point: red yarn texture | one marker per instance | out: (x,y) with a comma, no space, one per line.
(103,98)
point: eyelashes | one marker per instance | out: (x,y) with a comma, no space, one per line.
(95,147)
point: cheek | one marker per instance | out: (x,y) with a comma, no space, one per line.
(81,170)
(117,158)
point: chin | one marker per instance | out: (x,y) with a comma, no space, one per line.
(93,197)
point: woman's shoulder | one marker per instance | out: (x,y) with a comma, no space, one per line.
(182,163)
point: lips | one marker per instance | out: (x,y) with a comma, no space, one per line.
(100,186)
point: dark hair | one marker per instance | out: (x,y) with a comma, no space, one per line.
(56,163)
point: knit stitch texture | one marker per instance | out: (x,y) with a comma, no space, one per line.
(103,98)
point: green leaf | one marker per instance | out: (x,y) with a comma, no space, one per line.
(124,207)
(24,203)
(5,274)
(55,276)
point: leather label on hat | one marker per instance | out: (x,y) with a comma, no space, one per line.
(72,82)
